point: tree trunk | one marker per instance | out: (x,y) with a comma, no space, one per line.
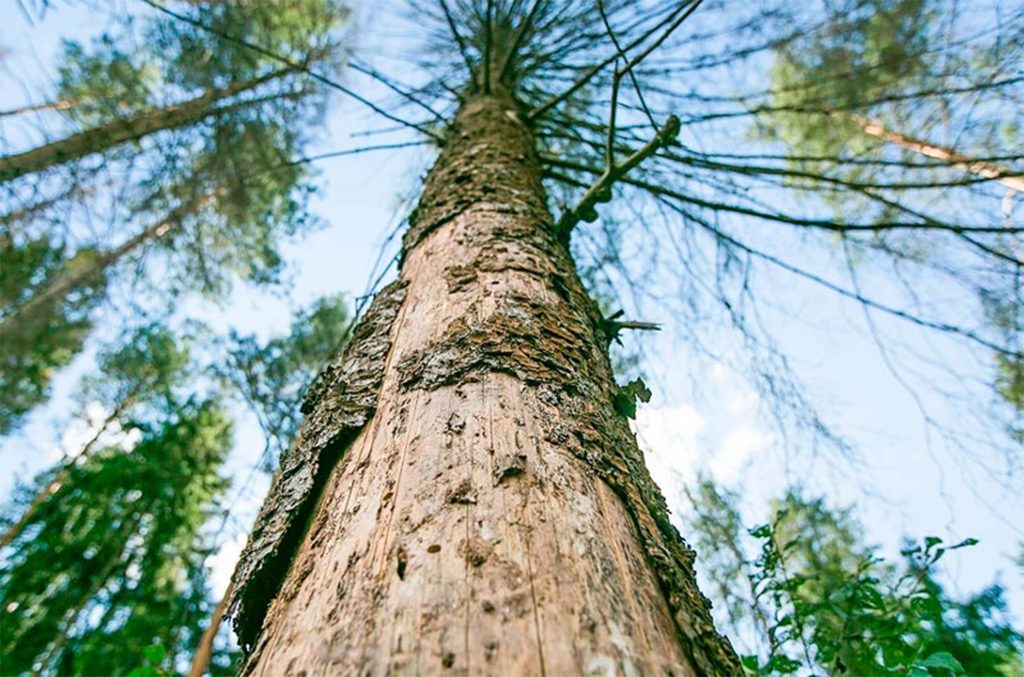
(133,128)
(90,271)
(988,170)
(204,651)
(490,511)
(59,104)
(61,476)
(13,217)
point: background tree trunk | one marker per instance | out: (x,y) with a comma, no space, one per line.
(133,128)
(92,270)
(204,651)
(55,484)
(493,514)
(988,170)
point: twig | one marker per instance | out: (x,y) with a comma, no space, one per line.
(488,46)
(524,28)
(674,21)
(387,82)
(600,191)
(458,38)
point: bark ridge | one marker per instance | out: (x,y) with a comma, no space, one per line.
(338,404)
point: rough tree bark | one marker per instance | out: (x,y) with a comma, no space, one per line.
(463,495)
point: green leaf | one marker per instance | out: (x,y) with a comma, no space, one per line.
(943,660)
(627,395)
(154,654)
(761,531)
(966,543)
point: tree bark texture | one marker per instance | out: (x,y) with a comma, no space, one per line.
(463,496)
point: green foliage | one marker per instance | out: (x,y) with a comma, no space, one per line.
(239,164)
(257,200)
(298,30)
(888,62)
(232,170)
(1006,313)
(109,571)
(818,600)
(105,82)
(869,50)
(145,369)
(626,397)
(44,341)
(271,377)
(225,184)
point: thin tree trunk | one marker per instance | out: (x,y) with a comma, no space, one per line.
(205,649)
(54,485)
(988,170)
(89,272)
(24,213)
(490,512)
(133,128)
(59,104)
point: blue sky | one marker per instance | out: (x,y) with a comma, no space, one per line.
(916,486)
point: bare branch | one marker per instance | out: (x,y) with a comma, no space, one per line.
(601,190)
(689,7)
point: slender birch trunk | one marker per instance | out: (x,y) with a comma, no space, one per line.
(121,131)
(474,502)
(11,218)
(59,104)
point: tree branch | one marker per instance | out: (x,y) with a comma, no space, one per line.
(600,191)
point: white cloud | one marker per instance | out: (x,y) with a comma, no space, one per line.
(679,441)
(735,452)
(669,437)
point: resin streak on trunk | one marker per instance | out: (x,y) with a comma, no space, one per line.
(494,515)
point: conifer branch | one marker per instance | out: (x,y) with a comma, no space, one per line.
(458,39)
(517,42)
(302,67)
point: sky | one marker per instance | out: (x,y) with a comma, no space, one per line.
(915,488)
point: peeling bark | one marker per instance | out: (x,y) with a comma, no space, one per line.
(492,514)
(338,404)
